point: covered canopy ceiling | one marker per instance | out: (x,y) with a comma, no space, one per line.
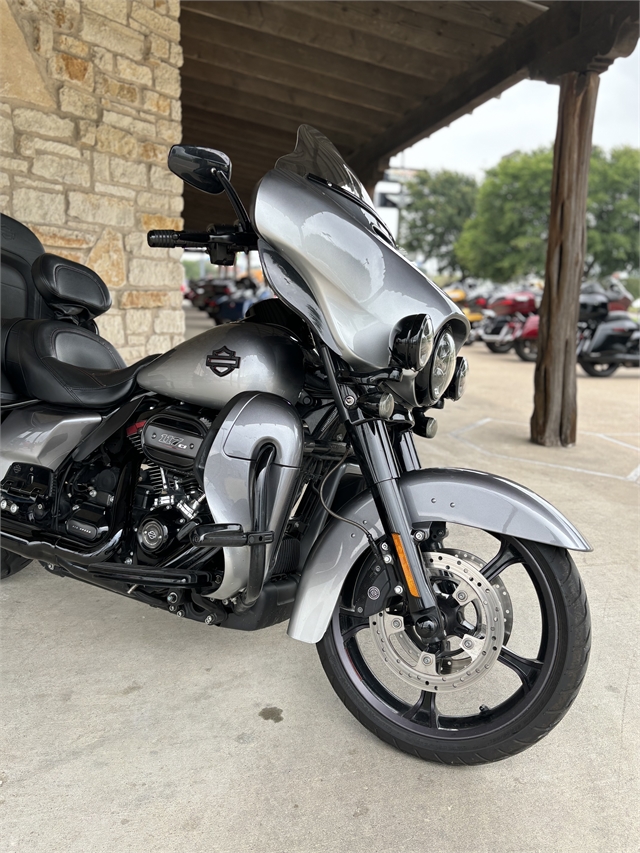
(373,76)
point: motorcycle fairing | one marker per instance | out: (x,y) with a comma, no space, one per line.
(455,495)
(362,284)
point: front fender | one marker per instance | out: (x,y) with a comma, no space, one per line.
(456,495)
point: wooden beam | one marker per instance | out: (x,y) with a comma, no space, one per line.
(223,99)
(548,35)
(245,130)
(207,77)
(554,418)
(214,108)
(607,31)
(392,22)
(285,32)
(311,82)
(500,19)
(273,62)
(218,135)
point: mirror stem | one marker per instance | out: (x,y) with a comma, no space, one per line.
(234,198)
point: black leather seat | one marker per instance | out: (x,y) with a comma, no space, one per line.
(19,248)
(64,361)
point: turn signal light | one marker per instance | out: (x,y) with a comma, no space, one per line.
(404,565)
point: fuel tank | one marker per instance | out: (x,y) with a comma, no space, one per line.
(213,367)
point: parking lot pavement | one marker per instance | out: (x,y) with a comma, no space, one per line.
(127,730)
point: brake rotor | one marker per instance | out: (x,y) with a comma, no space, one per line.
(496,583)
(466,655)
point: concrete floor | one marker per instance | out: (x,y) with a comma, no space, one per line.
(127,730)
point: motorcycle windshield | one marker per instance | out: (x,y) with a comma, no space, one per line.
(325,252)
(315,155)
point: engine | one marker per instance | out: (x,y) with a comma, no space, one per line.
(167,496)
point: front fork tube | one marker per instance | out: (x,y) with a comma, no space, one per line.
(373,446)
(378,463)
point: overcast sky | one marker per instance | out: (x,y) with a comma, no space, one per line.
(525,118)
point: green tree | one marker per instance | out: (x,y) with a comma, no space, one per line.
(440,204)
(613,211)
(507,236)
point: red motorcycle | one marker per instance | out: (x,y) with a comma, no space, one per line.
(505,318)
(619,299)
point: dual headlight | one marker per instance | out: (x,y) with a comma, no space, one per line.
(443,365)
(448,375)
(413,346)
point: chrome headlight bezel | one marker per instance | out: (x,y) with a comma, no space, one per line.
(443,365)
(413,342)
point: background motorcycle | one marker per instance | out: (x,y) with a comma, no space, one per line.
(506,314)
(265,470)
(235,302)
(607,339)
(607,336)
(203,291)
(472,297)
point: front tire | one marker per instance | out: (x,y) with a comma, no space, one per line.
(545,682)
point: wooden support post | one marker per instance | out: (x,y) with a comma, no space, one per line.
(554,417)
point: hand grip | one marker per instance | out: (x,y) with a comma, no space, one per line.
(171,239)
(163,239)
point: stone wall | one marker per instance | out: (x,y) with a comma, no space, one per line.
(89,105)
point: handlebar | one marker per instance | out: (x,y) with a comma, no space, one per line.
(222,242)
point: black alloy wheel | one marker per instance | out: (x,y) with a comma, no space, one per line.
(526,349)
(593,368)
(498,686)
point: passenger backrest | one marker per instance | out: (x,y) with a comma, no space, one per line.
(19,247)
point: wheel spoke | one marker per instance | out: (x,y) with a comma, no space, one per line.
(504,558)
(526,669)
(353,629)
(424,710)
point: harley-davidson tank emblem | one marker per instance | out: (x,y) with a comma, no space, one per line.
(223,361)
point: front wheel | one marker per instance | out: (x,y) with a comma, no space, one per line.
(516,651)
(593,368)
(526,349)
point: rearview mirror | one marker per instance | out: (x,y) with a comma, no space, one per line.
(198,167)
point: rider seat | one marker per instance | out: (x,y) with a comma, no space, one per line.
(63,360)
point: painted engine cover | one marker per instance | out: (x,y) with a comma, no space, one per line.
(212,368)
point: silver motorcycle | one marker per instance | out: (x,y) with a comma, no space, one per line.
(266,470)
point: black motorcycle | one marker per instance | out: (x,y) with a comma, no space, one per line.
(266,469)
(607,339)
